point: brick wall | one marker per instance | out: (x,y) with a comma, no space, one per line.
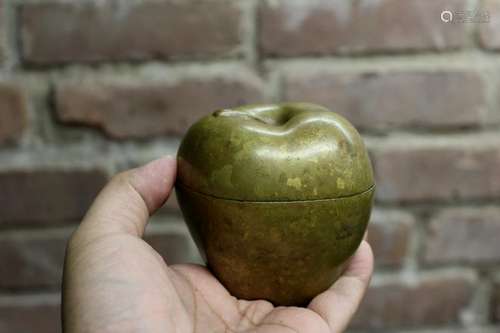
(90,88)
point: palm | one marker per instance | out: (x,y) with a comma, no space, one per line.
(143,293)
(217,311)
(115,282)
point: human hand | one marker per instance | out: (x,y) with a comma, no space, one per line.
(115,282)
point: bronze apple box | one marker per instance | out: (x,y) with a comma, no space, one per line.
(276,197)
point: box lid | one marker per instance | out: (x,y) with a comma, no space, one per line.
(283,152)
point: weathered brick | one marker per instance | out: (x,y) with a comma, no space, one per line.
(137,109)
(495,302)
(389,236)
(489,31)
(175,248)
(428,302)
(35,259)
(3,35)
(409,99)
(30,313)
(13,110)
(432,170)
(319,27)
(128,30)
(464,235)
(32,259)
(47,196)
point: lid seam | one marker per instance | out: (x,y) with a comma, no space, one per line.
(179,184)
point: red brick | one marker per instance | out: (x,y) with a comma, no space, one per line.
(407,171)
(175,248)
(321,27)
(30,313)
(13,115)
(410,99)
(35,259)
(428,302)
(389,236)
(121,30)
(47,196)
(32,259)
(144,109)
(464,235)
(489,31)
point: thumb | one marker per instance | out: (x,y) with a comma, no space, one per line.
(338,304)
(127,201)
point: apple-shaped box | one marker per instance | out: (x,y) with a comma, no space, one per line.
(276,197)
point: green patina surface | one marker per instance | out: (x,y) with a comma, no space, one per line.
(274,153)
(277,198)
(284,252)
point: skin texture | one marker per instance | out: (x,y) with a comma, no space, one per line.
(115,282)
(277,198)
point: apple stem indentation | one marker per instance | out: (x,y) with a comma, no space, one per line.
(269,116)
